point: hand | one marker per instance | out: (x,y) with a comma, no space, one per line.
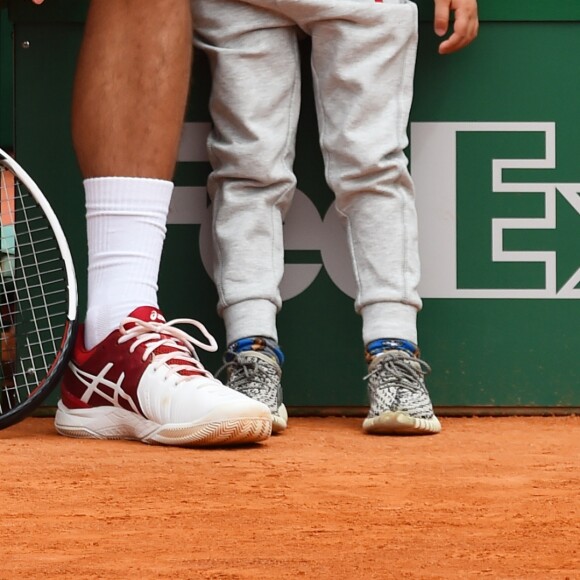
(465,26)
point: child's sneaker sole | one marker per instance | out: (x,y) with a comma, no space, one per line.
(280,419)
(396,422)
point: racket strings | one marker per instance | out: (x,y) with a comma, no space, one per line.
(34,294)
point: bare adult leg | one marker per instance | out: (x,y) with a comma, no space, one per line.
(129,99)
(131,87)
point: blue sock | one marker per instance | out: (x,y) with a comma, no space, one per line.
(380,345)
(256,343)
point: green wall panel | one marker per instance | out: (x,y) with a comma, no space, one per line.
(497,333)
(6,84)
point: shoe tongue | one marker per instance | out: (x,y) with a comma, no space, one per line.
(152,314)
(148,314)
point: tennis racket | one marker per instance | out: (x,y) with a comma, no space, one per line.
(38,295)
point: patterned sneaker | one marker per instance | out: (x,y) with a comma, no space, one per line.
(144,382)
(399,401)
(258,376)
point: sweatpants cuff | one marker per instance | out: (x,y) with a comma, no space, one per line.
(250,318)
(389,320)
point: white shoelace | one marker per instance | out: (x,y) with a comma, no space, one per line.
(166,334)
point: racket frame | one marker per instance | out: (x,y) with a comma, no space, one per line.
(55,371)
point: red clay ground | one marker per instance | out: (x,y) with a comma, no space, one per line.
(488,497)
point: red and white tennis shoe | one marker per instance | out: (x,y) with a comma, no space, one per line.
(145,382)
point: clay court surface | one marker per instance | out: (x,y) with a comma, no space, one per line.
(488,497)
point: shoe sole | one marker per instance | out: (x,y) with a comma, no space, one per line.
(280,419)
(398,423)
(116,423)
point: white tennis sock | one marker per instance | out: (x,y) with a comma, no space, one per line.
(126,225)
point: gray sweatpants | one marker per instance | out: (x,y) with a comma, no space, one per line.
(363,60)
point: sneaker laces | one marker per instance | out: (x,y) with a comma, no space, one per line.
(240,365)
(401,370)
(168,344)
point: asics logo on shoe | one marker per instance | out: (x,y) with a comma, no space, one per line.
(156,315)
(111,391)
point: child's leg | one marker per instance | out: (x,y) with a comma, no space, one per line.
(363,62)
(254,104)
(363,69)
